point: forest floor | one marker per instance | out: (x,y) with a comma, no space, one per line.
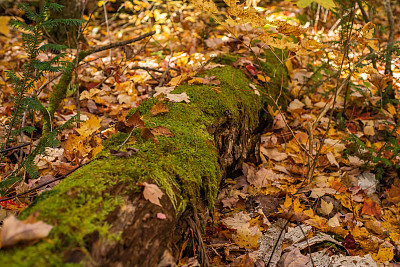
(345,208)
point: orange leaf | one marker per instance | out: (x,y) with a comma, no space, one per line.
(338,186)
(371,208)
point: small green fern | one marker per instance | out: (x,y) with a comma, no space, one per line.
(33,71)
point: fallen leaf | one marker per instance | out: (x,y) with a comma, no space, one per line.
(146,134)
(251,69)
(135,120)
(367,182)
(326,207)
(294,258)
(332,159)
(371,208)
(229,202)
(152,193)
(369,128)
(349,242)
(160,130)
(4,29)
(183,97)
(394,194)
(15,231)
(295,104)
(263,78)
(279,122)
(159,108)
(384,254)
(273,154)
(130,151)
(334,221)
(89,127)
(205,80)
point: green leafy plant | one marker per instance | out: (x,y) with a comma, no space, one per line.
(379,158)
(26,103)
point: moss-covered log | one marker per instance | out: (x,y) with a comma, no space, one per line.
(99,215)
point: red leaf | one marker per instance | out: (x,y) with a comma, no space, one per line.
(251,69)
(349,242)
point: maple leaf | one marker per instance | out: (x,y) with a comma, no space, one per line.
(371,208)
(89,127)
(152,193)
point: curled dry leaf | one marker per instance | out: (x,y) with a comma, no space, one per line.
(152,193)
(130,151)
(183,97)
(160,130)
(273,154)
(15,231)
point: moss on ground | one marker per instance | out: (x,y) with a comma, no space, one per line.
(186,163)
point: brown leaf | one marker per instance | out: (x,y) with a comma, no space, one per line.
(146,134)
(160,130)
(152,193)
(159,108)
(394,194)
(379,80)
(14,231)
(135,120)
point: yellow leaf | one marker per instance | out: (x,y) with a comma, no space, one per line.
(271,111)
(89,127)
(391,109)
(288,202)
(263,78)
(180,79)
(297,206)
(384,255)
(360,233)
(4,29)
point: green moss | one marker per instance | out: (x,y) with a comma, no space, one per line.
(184,166)
(226,59)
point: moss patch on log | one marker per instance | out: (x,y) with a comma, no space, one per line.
(184,166)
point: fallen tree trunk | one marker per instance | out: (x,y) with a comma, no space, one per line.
(99,214)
